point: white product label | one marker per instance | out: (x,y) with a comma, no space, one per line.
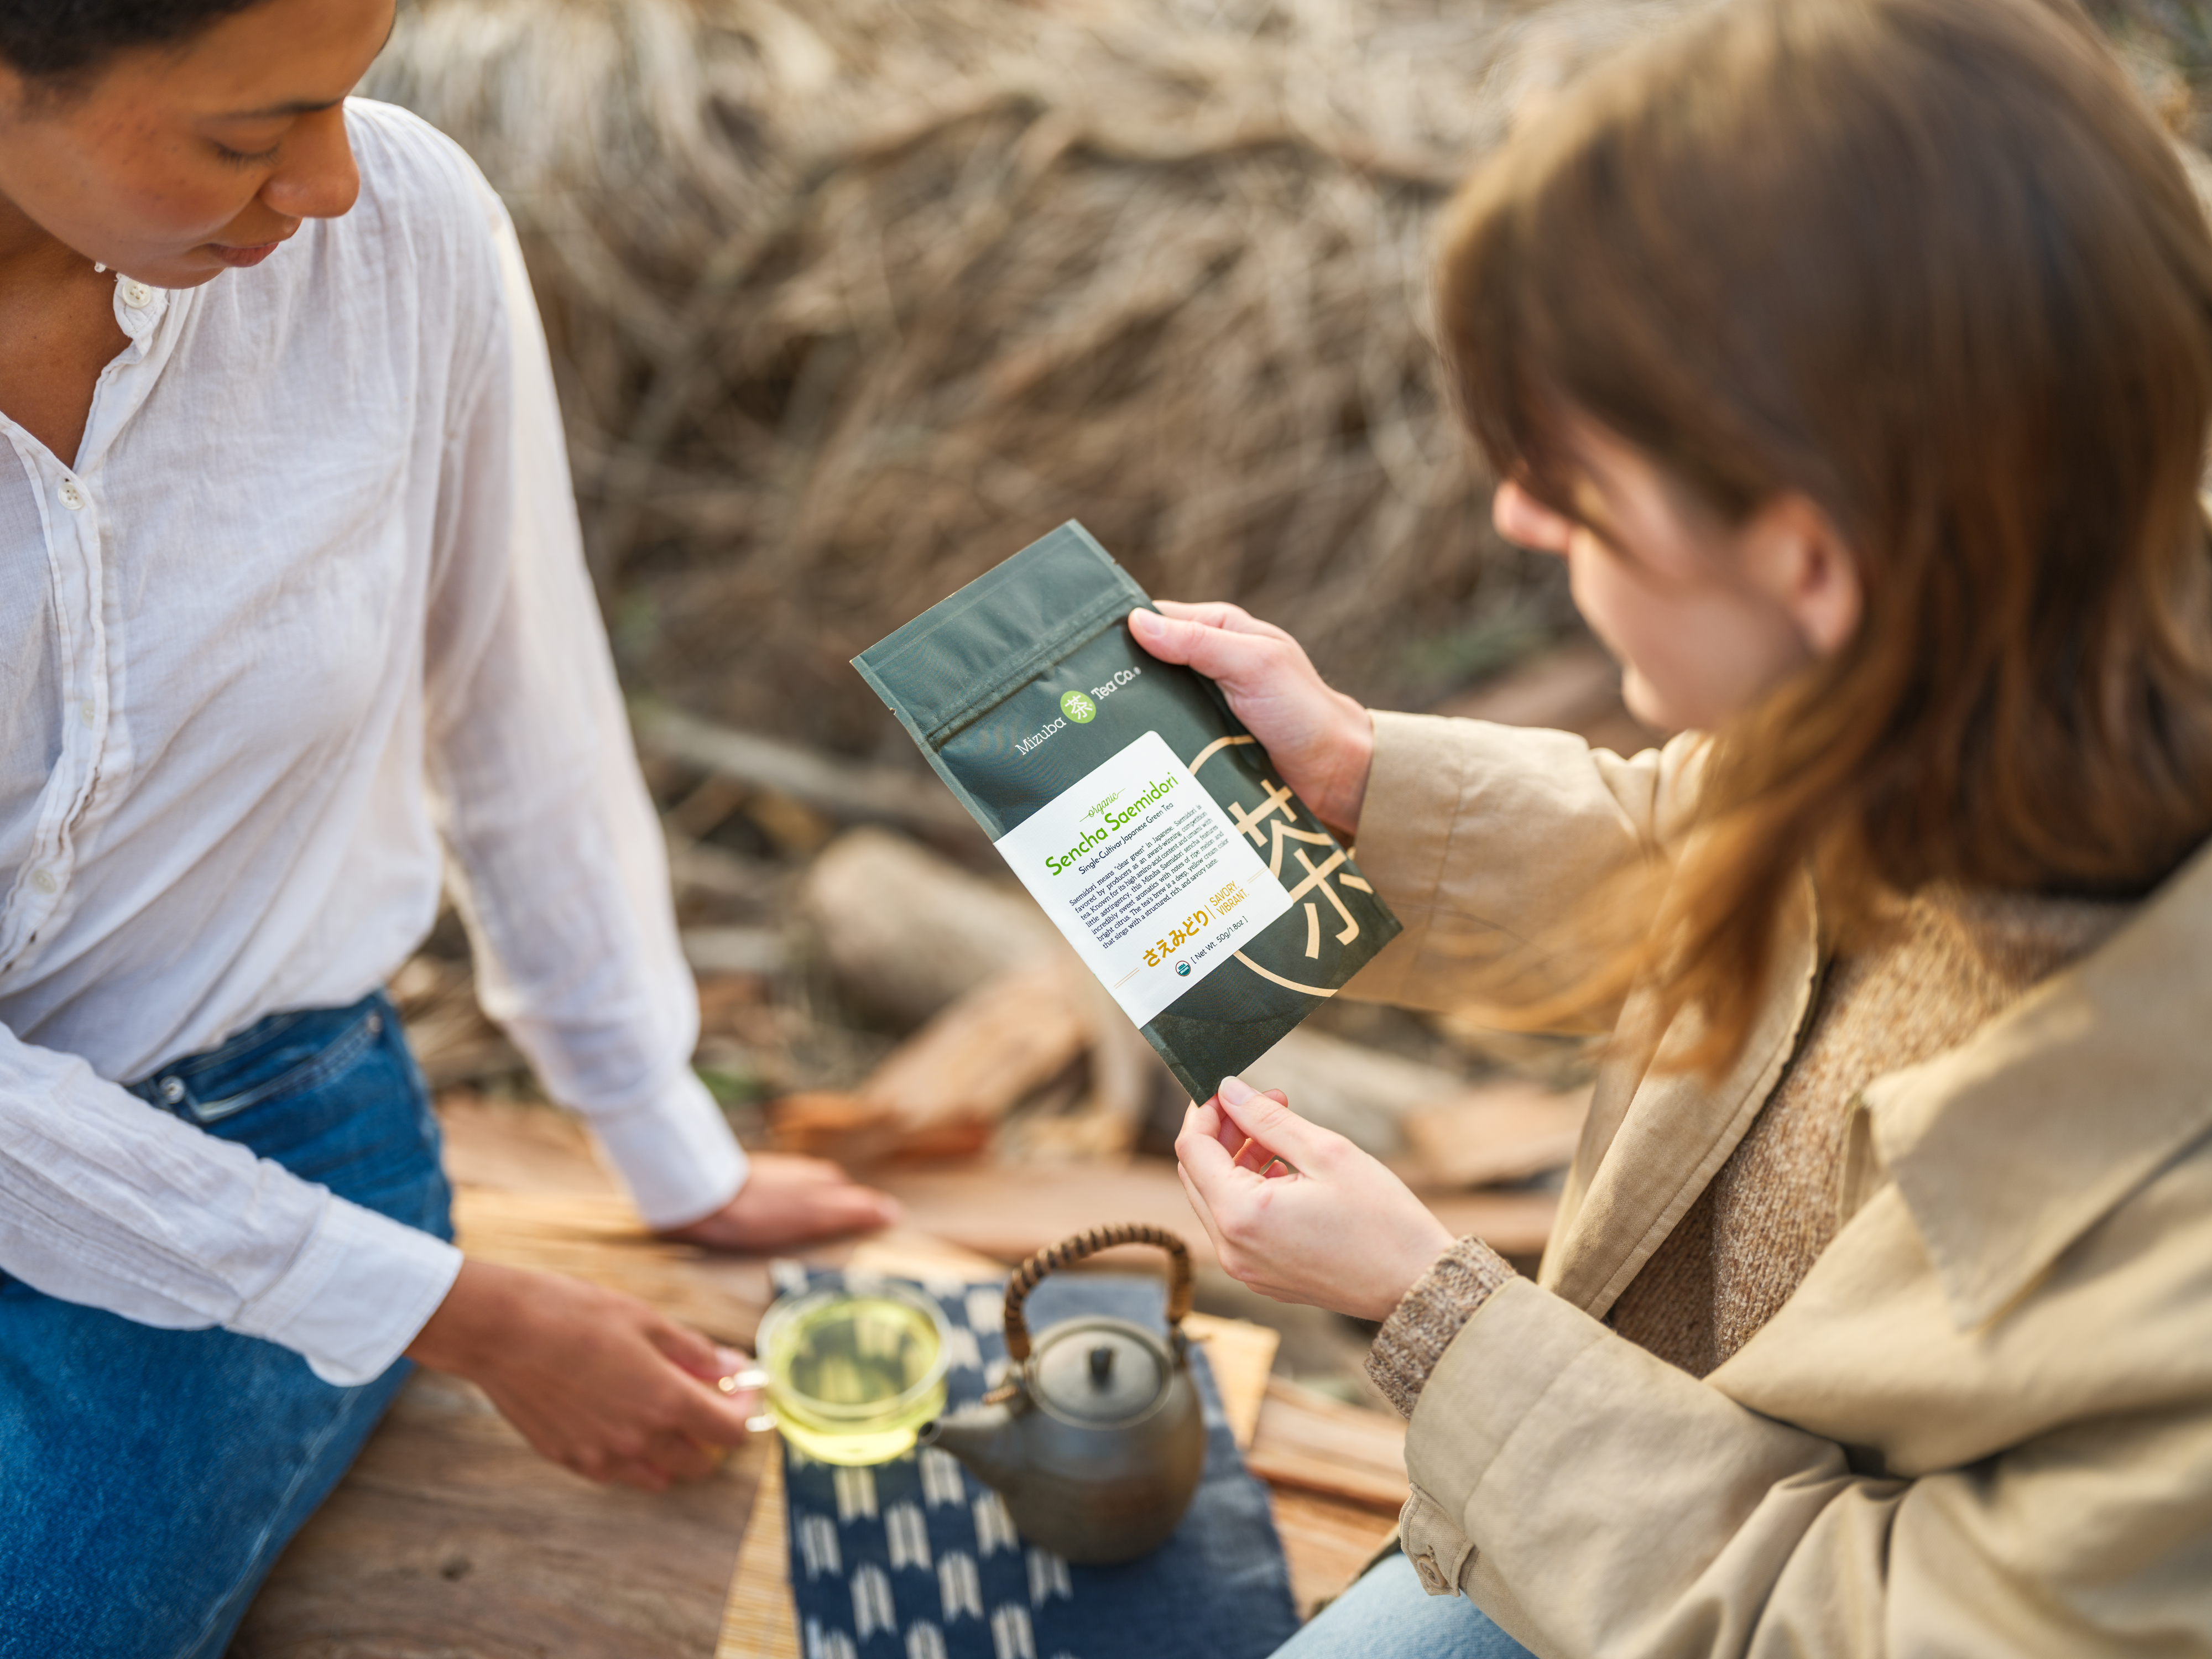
(1144,873)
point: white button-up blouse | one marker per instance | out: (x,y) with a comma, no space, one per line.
(307,613)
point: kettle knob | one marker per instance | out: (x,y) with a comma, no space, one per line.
(1101,1365)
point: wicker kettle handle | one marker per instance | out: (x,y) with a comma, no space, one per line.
(1026,1276)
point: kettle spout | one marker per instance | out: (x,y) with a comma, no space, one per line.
(985,1438)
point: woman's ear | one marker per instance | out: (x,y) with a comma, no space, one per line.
(1523,520)
(1796,554)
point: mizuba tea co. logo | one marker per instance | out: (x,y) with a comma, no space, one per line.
(1077,707)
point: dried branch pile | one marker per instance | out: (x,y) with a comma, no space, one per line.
(852,300)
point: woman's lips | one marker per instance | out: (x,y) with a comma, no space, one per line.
(239,258)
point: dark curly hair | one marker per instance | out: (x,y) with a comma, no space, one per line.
(60,39)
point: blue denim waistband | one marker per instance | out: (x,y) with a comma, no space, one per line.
(275,1054)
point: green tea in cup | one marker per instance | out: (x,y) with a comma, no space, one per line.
(851,1375)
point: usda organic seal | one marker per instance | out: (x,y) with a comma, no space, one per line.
(1077,707)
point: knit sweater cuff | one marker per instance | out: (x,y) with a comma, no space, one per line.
(1418,1330)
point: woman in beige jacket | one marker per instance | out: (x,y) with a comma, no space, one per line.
(1856,355)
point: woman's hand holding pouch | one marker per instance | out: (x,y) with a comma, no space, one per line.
(1296,1212)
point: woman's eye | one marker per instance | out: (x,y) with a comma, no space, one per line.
(237,158)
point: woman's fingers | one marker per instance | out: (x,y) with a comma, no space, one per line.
(787,1199)
(687,1348)
(1209,1119)
(1205,1118)
(1322,740)
(1299,1213)
(713,1418)
(1231,655)
(594,1380)
(1200,1208)
(1216,613)
(1267,1118)
(1201,1155)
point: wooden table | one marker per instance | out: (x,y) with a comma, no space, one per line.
(452,1539)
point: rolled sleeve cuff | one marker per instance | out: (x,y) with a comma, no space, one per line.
(675,1153)
(1415,1337)
(354,1296)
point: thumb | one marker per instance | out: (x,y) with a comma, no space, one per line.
(1268,1119)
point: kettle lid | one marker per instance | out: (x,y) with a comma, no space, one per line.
(1099,1372)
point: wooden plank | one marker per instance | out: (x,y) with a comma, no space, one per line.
(452,1539)
(945,1088)
(911,1254)
(758,1620)
(518,1148)
(1314,1444)
(1240,1355)
(848,790)
(1327,1542)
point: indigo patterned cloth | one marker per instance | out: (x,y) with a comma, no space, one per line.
(918,1559)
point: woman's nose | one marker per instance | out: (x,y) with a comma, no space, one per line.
(318,178)
(1526,522)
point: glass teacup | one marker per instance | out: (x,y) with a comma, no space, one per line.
(850,1375)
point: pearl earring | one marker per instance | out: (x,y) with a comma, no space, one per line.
(98,269)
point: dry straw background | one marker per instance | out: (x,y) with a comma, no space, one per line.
(850,298)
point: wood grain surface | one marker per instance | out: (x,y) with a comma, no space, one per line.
(452,1539)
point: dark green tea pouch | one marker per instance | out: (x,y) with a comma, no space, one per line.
(1135,808)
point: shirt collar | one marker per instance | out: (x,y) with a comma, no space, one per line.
(2009,1147)
(151,326)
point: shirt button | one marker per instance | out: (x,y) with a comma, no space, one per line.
(72,497)
(1432,1579)
(43,880)
(138,296)
(85,712)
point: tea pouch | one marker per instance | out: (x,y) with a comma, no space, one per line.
(1136,809)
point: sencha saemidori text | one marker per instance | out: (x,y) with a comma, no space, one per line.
(1138,811)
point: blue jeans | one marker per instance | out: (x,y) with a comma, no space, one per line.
(149,1479)
(1388,1615)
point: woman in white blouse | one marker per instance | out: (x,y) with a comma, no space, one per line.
(291,608)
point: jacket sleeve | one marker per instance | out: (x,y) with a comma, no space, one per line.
(1595,1500)
(561,871)
(107,1202)
(1482,838)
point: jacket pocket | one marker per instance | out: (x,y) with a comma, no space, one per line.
(1432,1541)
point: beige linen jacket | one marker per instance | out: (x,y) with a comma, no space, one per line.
(1981,1426)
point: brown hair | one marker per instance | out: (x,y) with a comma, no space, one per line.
(1931,264)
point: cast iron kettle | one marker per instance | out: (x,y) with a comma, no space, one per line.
(1097,1441)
